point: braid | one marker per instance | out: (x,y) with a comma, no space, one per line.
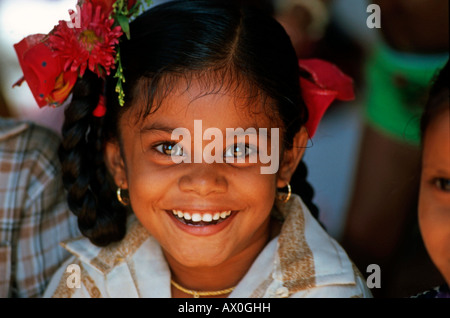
(90,192)
(301,186)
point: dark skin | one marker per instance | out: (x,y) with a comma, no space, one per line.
(418,26)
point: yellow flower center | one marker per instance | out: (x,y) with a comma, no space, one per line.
(89,38)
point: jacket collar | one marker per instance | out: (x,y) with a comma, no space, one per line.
(307,256)
(104,259)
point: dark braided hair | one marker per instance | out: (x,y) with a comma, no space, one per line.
(233,43)
(90,193)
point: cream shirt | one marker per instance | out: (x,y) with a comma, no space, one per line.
(302,261)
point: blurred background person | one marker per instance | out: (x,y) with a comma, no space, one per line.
(434,194)
(381,223)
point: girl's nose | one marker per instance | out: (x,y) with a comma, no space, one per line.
(203,179)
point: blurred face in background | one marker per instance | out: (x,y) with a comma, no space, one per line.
(434,199)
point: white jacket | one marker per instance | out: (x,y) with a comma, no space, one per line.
(302,261)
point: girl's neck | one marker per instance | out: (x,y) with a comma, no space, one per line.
(225,275)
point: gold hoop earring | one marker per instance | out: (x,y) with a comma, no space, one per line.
(282,197)
(123,201)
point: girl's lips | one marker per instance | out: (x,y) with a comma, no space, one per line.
(201,222)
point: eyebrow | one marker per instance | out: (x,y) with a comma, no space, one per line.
(164,128)
(244,131)
(157,127)
(436,169)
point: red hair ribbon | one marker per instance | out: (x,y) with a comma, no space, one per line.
(326,83)
(44,71)
(100,110)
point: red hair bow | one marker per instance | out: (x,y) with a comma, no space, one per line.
(44,71)
(325,84)
(52,63)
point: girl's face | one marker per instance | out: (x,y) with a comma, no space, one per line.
(434,200)
(235,193)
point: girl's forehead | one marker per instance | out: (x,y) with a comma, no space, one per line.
(185,100)
(436,144)
(440,122)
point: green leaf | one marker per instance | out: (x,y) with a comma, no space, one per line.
(124,24)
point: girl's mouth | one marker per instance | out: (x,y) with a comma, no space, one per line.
(201,219)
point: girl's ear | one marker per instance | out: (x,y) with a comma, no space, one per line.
(115,164)
(291,158)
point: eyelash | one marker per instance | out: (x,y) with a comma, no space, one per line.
(442,184)
(249,149)
(169,144)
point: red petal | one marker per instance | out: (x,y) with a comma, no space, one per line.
(329,76)
(106,5)
(329,84)
(131,4)
(317,100)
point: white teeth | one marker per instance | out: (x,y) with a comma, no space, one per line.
(224,214)
(205,217)
(196,217)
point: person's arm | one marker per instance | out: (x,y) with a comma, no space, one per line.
(420,26)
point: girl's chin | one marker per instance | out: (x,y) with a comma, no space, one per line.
(194,260)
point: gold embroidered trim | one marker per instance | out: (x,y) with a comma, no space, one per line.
(89,283)
(62,290)
(296,257)
(261,289)
(116,253)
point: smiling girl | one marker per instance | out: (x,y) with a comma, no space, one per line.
(157,227)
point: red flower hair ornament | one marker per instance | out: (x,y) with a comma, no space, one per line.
(326,82)
(52,63)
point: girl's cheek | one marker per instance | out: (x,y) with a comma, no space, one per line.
(434,221)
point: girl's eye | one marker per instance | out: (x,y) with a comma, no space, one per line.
(443,184)
(239,151)
(170,149)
